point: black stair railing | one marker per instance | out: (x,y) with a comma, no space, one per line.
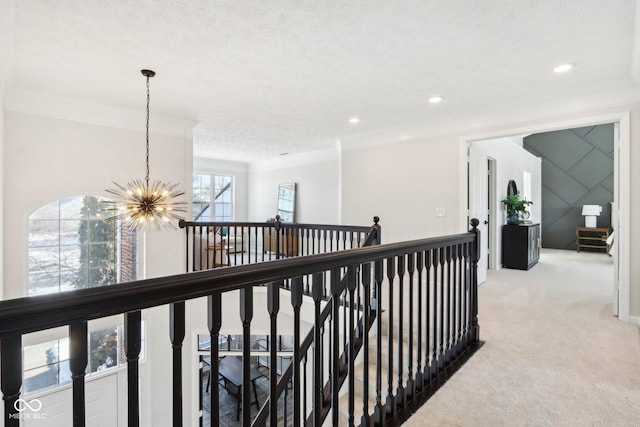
(450,328)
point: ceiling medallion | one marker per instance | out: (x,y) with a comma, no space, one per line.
(145,204)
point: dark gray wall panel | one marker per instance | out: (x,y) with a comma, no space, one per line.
(561,183)
(577,169)
(564,148)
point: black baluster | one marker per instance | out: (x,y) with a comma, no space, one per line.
(78,360)
(447,346)
(316,291)
(296,303)
(214,323)
(467,279)
(11,377)
(366,283)
(441,341)
(427,318)
(391,401)
(420,266)
(351,286)
(273,306)
(434,358)
(132,325)
(177,331)
(410,380)
(246,315)
(460,294)
(379,412)
(336,290)
(400,392)
(305,357)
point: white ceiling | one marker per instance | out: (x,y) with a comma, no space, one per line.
(259,78)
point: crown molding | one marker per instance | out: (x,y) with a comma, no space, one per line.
(58,107)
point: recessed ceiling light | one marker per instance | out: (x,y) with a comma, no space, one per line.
(354,120)
(563,68)
(435,99)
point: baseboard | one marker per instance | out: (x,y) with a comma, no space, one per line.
(634,320)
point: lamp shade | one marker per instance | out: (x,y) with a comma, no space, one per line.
(591,210)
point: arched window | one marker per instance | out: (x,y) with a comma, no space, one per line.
(72,246)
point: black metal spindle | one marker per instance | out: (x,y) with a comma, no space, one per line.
(78,349)
(132,325)
(177,332)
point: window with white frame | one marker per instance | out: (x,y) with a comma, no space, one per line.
(73,246)
(212,197)
(46,361)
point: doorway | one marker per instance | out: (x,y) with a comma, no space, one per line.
(620,213)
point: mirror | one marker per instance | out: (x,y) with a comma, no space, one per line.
(287,202)
(512,189)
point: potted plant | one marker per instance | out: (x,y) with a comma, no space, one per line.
(516,207)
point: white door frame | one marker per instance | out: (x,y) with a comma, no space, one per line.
(622,167)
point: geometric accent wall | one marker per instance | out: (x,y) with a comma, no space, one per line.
(577,169)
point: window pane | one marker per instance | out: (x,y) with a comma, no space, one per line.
(72,208)
(69,232)
(44,259)
(103,349)
(43,233)
(49,211)
(72,246)
(70,257)
(43,283)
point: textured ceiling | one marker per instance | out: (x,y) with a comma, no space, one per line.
(262,78)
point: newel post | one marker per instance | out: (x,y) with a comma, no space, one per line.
(378,230)
(277,226)
(475,257)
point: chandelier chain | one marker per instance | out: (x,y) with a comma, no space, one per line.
(148,98)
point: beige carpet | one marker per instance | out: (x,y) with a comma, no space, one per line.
(553,354)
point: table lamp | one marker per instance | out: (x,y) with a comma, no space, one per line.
(591,214)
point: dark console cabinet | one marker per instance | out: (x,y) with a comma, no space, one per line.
(520,245)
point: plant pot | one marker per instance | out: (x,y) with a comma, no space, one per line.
(513,218)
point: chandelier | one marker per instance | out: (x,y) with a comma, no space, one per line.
(146,204)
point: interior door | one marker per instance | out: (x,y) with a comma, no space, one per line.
(478,202)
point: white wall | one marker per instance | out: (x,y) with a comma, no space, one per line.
(317,187)
(46,159)
(403,184)
(1,193)
(511,161)
(240,172)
